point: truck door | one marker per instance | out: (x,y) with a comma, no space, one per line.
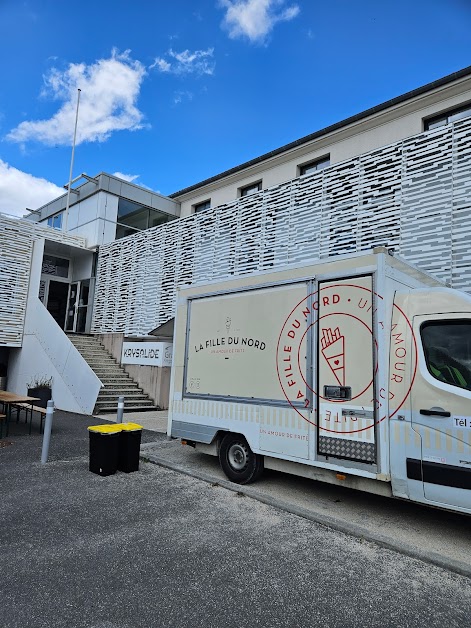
(441,409)
(346,364)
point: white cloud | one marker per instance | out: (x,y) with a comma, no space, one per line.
(126,177)
(132,178)
(198,62)
(110,89)
(181,96)
(19,190)
(255,19)
(162,65)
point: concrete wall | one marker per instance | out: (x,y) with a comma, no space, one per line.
(82,266)
(379,130)
(94,218)
(154,381)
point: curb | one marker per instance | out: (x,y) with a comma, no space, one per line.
(463,569)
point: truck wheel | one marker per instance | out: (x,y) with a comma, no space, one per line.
(238,461)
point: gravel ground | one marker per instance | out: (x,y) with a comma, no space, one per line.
(158,548)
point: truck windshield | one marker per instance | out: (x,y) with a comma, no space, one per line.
(447,348)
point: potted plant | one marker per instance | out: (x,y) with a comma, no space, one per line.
(3,376)
(40,387)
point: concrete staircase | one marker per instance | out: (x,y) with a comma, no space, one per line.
(114,378)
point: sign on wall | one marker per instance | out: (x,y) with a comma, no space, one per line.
(147,353)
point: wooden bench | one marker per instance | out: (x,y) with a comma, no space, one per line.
(28,408)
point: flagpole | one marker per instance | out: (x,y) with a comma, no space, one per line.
(66,216)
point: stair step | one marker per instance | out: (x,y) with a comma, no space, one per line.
(120,392)
(119,373)
(113,402)
(111,409)
(103,396)
(127,385)
(110,377)
(94,350)
(106,364)
(88,343)
(119,381)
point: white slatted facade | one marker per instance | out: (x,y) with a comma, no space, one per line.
(16,246)
(414,195)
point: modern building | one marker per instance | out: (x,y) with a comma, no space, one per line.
(105,208)
(398,175)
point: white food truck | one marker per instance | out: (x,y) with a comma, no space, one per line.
(355,370)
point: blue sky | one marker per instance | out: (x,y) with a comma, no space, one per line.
(175,92)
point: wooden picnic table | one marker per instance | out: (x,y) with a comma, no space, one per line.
(9,399)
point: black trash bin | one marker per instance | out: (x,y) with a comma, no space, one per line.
(104,448)
(130,445)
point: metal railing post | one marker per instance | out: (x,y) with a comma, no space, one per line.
(119,417)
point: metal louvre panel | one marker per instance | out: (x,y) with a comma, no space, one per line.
(16,246)
(339,209)
(461,225)
(414,195)
(304,229)
(379,203)
(204,245)
(427,194)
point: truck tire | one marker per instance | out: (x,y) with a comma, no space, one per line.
(238,461)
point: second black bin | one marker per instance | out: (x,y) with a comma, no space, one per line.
(129,447)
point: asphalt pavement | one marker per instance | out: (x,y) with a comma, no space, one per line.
(436,536)
(162,548)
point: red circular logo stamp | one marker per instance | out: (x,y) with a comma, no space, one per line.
(329,353)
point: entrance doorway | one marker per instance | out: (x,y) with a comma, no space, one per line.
(77,307)
(57,301)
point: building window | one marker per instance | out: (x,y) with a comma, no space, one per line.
(445,118)
(133,217)
(253,188)
(200,207)
(312,166)
(55,221)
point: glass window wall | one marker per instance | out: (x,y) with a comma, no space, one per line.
(133,217)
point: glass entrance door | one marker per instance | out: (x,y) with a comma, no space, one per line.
(82,307)
(72,307)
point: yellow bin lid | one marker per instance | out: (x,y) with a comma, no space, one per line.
(131,427)
(106,429)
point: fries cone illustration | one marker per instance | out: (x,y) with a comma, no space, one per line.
(333,350)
